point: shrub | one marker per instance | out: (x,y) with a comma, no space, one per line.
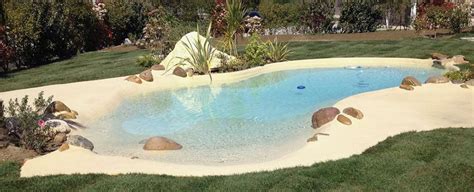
(31,133)
(277,51)
(458,18)
(125,17)
(6,51)
(233,18)
(255,51)
(201,53)
(359,17)
(464,75)
(280,15)
(218,20)
(147,60)
(318,17)
(156,32)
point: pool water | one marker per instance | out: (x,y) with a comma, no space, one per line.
(258,119)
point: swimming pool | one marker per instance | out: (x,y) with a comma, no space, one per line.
(255,120)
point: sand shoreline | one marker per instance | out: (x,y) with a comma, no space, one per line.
(426,108)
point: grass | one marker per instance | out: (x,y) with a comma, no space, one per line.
(100,65)
(439,160)
(87,66)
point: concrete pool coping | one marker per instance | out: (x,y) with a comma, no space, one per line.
(387,112)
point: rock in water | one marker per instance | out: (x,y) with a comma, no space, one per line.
(134,79)
(407,87)
(353,112)
(146,75)
(344,120)
(323,116)
(180,72)
(80,141)
(161,143)
(410,80)
(437,79)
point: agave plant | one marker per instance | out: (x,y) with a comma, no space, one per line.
(277,51)
(201,53)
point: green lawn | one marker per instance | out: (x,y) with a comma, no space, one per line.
(100,65)
(439,160)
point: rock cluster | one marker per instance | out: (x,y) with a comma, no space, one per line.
(443,61)
(328,114)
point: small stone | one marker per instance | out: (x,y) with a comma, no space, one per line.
(470,82)
(407,87)
(134,157)
(190,72)
(457,81)
(58,126)
(313,138)
(438,56)
(157,67)
(180,72)
(344,120)
(323,116)
(438,79)
(353,112)
(464,86)
(57,106)
(60,138)
(134,79)
(63,147)
(410,80)
(80,141)
(146,75)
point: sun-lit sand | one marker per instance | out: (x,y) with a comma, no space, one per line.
(387,112)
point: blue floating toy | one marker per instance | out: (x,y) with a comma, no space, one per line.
(301,87)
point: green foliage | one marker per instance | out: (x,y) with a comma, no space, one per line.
(201,53)
(147,60)
(233,19)
(463,75)
(255,51)
(280,15)
(360,17)
(125,17)
(277,51)
(30,134)
(156,32)
(318,17)
(458,18)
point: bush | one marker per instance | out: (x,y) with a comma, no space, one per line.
(31,132)
(458,18)
(277,51)
(464,75)
(156,32)
(318,17)
(277,15)
(148,60)
(255,51)
(125,17)
(359,17)
(217,19)
(6,51)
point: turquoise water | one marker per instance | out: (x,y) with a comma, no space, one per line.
(254,120)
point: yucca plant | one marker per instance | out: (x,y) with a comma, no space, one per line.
(201,53)
(277,51)
(234,16)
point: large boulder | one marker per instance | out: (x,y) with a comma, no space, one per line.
(323,116)
(180,53)
(146,75)
(438,56)
(448,64)
(161,143)
(180,72)
(437,79)
(80,141)
(411,81)
(459,59)
(134,79)
(353,112)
